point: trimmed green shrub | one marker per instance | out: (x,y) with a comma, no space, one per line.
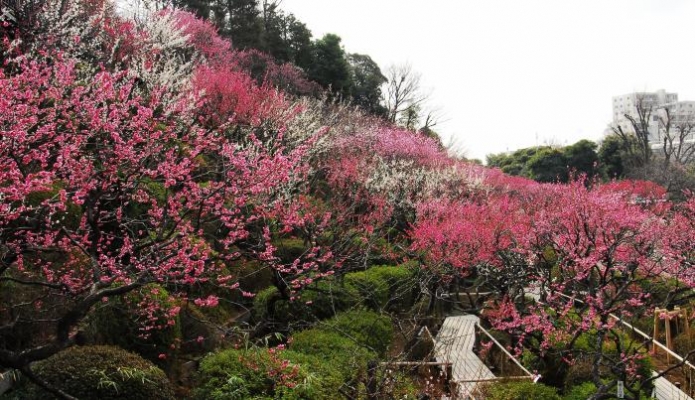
(581,392)
(370,288)
(326,298)
(587,389)
(101,372)
(521,391)
(395,385)
(259,373)
(367,328)
(384,287)
(318,301)
(117,322)
(241,374)
(326,377)
(381,287)
(348,357)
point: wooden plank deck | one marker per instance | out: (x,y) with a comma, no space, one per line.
(6,381)
(665,390)
(454,343)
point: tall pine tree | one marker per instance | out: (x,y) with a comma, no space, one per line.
(243,24)
(331,68)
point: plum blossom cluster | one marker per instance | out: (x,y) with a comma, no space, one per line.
(121,167)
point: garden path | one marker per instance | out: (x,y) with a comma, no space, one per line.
(454,344)
(665,390)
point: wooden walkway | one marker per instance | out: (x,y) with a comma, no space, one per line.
(665,390)
(454,344)
(6,381)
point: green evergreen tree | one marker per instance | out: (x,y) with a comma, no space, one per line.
(611,155)
(330,68)
(582,158)
(243,24)
(299,42)
(548,165)
(275,35)
(285,37)
(201,8)
(514,163)
(367,81)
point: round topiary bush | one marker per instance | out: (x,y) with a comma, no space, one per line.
(384,287)
(317,301)
(101,372)
(348,357)
(327,297)
(366,328)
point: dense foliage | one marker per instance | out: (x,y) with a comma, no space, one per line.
(101,372)
(550,164)
(119,176)
(367,329)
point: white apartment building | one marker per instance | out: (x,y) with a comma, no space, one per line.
(654,106)
(649,101)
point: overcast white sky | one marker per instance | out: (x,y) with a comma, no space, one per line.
(515,73)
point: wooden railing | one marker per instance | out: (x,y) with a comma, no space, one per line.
(654,342)
(651,339)
(507,353)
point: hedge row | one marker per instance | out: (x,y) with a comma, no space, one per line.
(384,287)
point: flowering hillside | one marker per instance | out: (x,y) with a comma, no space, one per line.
(143,164)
